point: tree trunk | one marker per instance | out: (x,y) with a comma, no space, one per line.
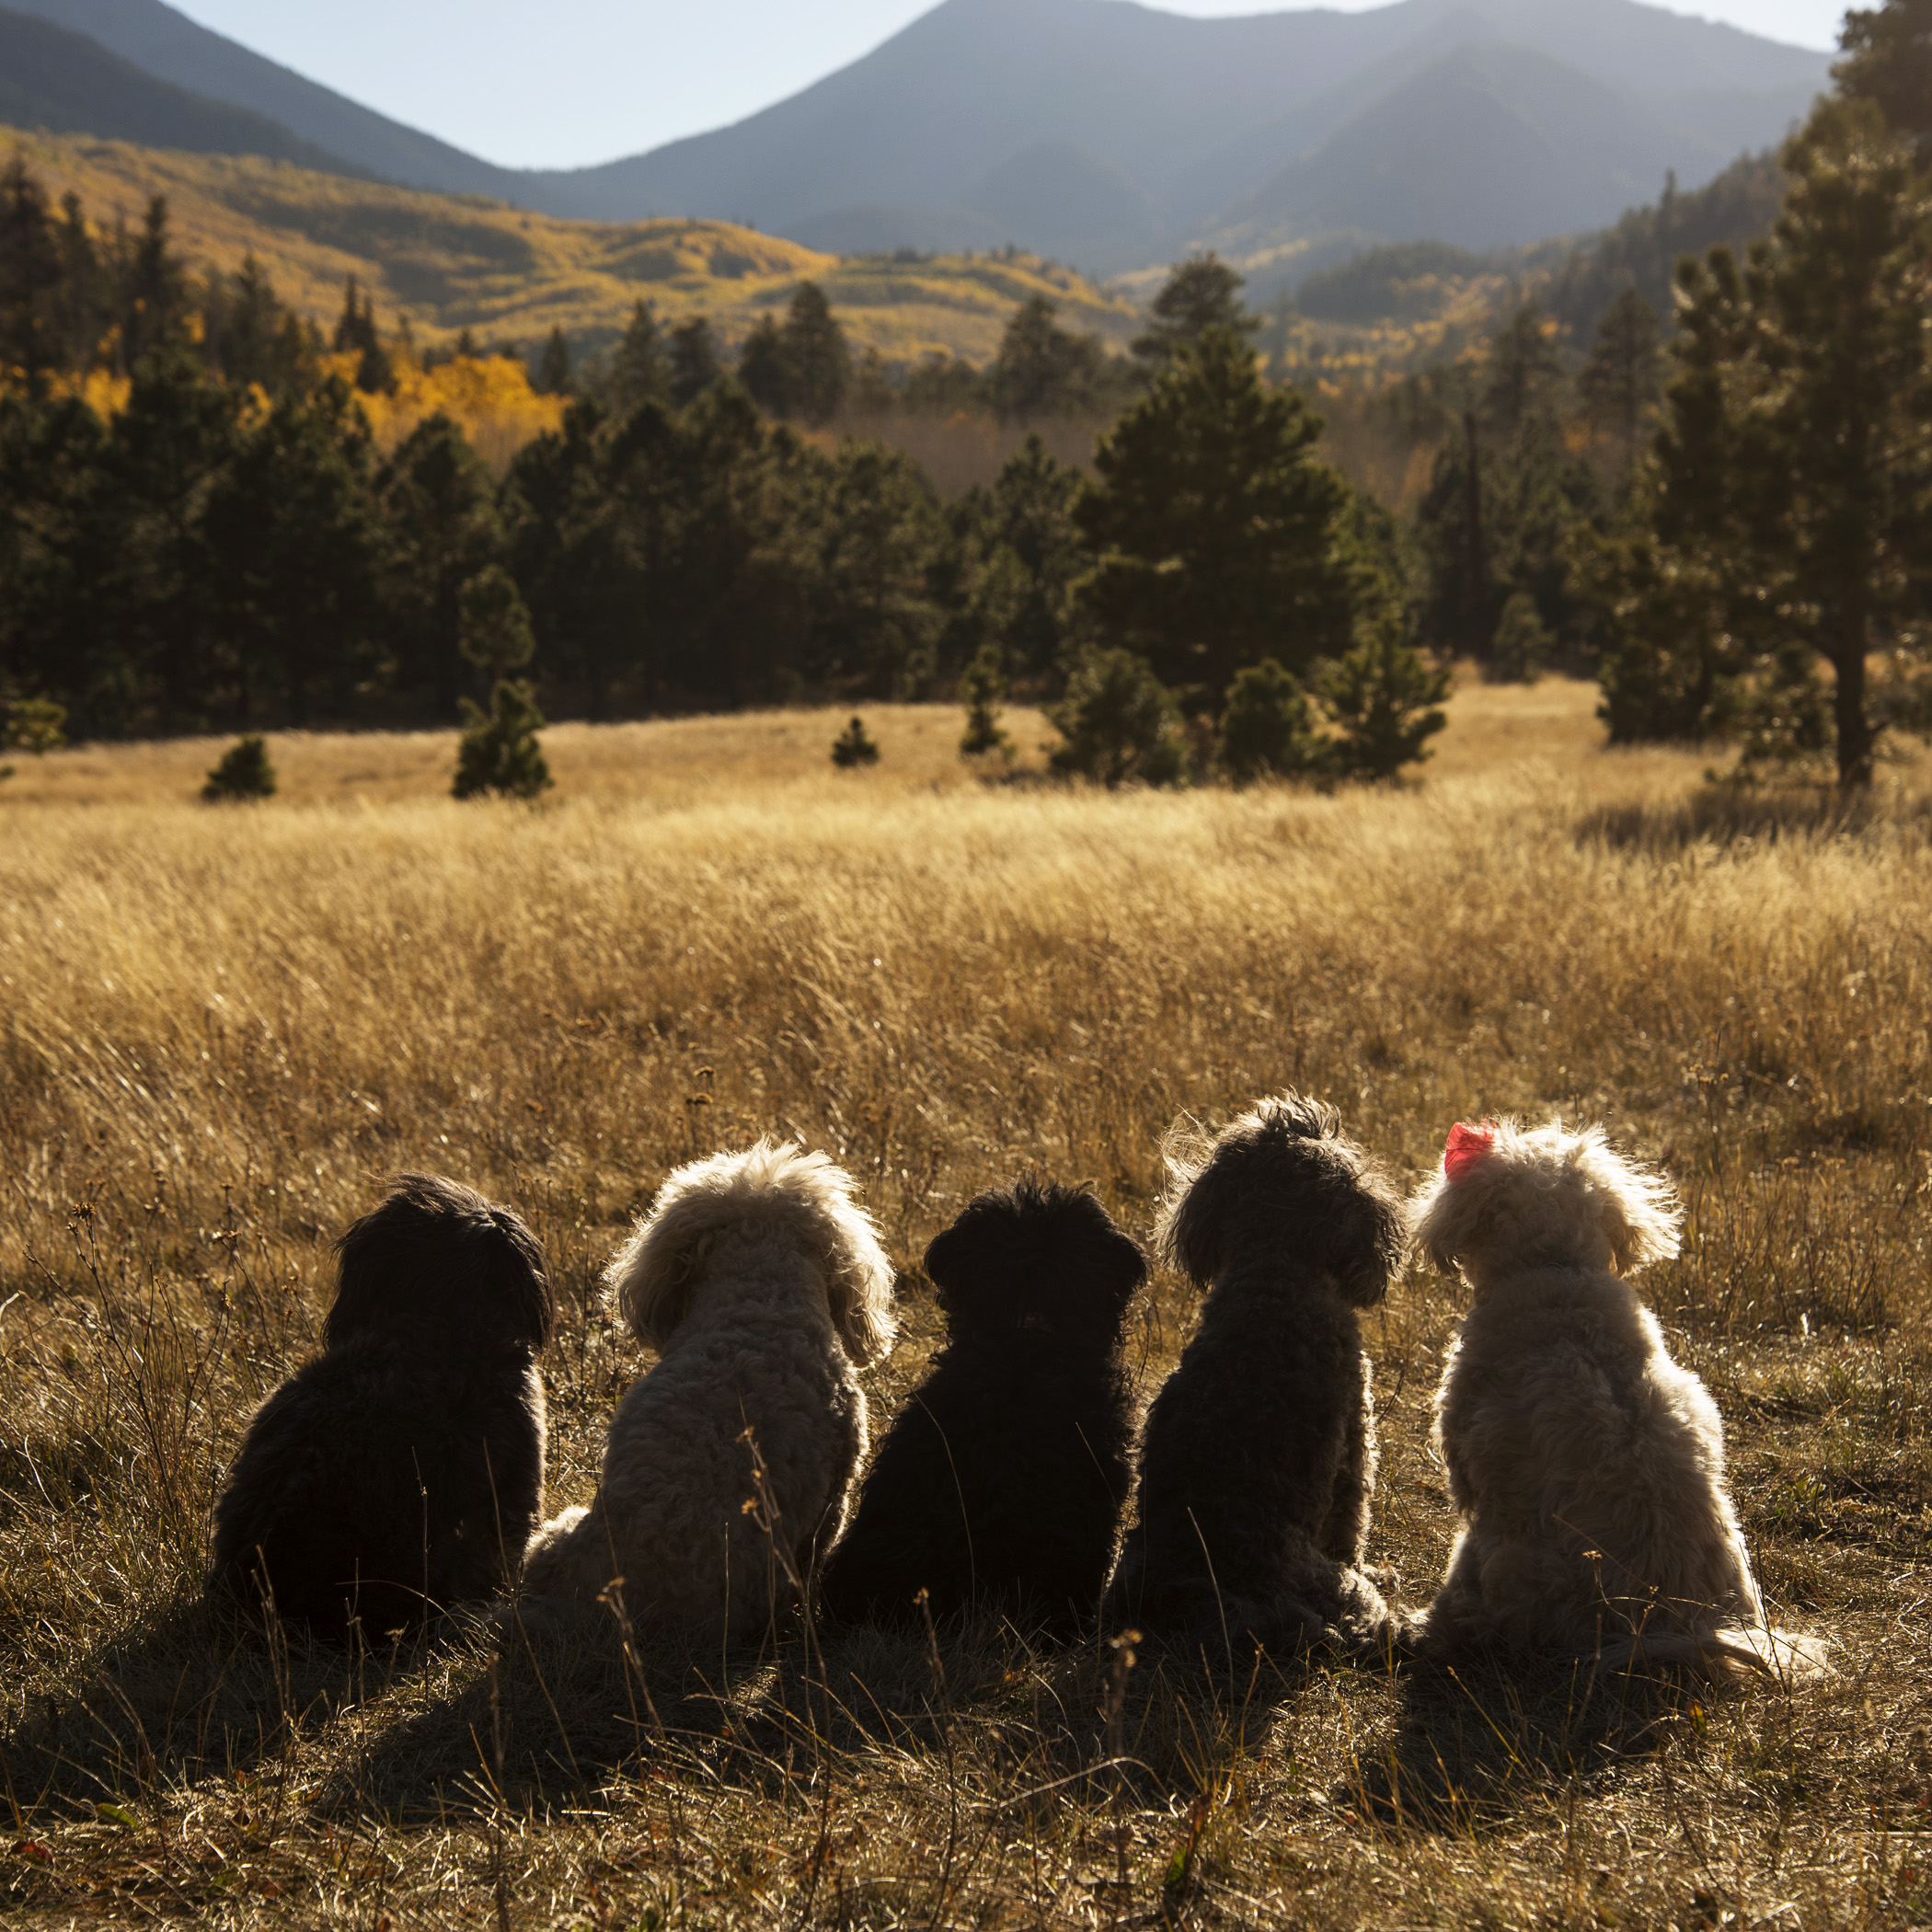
(1856,737)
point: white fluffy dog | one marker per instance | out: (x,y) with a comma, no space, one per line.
(762,1285)
(1586,1465)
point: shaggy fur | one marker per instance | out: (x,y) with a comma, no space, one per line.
(762,1284)
(1000,1486)
(402,1469)
(1587,1467)
(1258,1465)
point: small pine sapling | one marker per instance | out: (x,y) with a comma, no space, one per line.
(1384,699)
(244,772)
(32,724)
(982,687)
(493,624)
(500,752)
(1119,723)
(1522,644)
(852,748)
(1269,729)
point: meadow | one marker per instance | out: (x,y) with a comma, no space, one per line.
(220,1027)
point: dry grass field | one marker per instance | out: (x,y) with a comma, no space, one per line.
(220,1027)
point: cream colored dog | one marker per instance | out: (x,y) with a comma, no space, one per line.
(763,1284)
(1587,1466)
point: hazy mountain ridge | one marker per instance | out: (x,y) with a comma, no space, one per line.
(1114,135)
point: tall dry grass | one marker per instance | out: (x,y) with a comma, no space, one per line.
(222,1027)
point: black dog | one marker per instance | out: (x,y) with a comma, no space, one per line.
(999,1487)
(1258,1464)
(401,1470)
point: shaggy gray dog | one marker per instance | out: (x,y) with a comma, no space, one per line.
(1258,1464)
(1586,1465)
(1001,1484)
(402,1470)
(762,1284)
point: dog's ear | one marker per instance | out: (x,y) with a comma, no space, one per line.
(1033,1248)
(655,1275)
(437,1250)
(1543,1197)
(1283,1172)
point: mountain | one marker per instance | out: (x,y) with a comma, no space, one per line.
(445,263)
(1113,134)
(171,47)
(68,83)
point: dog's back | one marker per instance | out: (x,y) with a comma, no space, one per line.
(401,1470)
(1000,1485)
(1258,1460)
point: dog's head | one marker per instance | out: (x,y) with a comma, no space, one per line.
(773,1191)
(437,1252)
(1283,1177)
(1035,1256)
(1508,1198)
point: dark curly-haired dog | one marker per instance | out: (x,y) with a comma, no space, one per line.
(1258,1463)
(1000,1486)
(401,1470)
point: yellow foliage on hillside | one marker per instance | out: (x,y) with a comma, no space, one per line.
(445,263)
(489,397)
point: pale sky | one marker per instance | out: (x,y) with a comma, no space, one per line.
(566,83)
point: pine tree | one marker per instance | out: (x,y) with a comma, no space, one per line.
(694,365)
(243,773)
(33,724)
(153,300)
(1201,294)
(553,367)
(764,367)
(30,274)
(982,687)
(853,748)
(1268,729)
(495,632)
(1524,364)
(640,372)
(1216,526)
(1043,369)
(1624,373)
(1522,646)
(500,752)
(1386,700)
(815,350)
(1888,61)
(1119,723)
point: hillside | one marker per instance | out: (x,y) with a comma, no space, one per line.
(448,263)
(1116,135)
(67,83)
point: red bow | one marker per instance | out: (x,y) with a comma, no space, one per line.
(1467,1146)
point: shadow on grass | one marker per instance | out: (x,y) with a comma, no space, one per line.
(1733,814)
(1475,1743)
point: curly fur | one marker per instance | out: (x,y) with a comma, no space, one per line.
(402,1469)
(1258,1464)
(1586,1465)
(1001,1484)
(762,1284)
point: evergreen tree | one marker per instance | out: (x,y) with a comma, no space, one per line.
(495,624)
(553,367)
(292,554)
(31,343)
(1523,366)
(438,518)
(640,372)
(819,362)
(853,748)
(1624,373)
(153,300)
(244,773)
(1384,699)
(1201,294)
(981,690)
(764,367)
(499,751)
(1119,724)
(1455,523)
(1043,369)
(1214,526)
(1522,646)
(694,364)
(82,302)
(1268,729)
(1034,517)
(1888,61)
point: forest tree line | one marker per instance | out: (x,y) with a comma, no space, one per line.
(1709,509)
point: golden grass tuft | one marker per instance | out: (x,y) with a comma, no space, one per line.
(221,1025)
